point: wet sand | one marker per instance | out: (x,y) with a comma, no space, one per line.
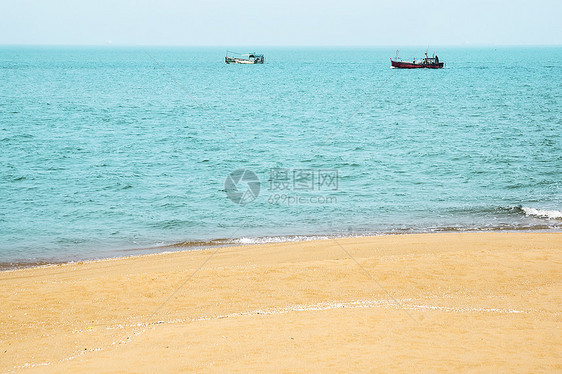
(450,302)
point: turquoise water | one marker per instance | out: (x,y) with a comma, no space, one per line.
(112,151)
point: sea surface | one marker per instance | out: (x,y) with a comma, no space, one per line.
(115,151)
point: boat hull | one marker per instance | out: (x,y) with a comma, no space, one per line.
(411,65)
(234,60)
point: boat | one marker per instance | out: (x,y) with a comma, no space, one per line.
(248,58)
(426,62)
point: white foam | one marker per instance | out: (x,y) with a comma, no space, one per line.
(277,239)
(406,304)
(543,213)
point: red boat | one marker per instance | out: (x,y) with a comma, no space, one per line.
(426,62)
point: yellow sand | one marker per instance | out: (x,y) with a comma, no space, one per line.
(476,302)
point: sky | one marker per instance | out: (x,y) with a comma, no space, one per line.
(281,23)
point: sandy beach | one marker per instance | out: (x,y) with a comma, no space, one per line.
(454,302)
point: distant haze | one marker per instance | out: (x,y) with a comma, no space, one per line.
(281,23)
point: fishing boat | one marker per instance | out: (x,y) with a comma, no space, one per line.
(247,58)
(425,62)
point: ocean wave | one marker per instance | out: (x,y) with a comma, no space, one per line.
(277,239)
(245,240)
(510,211)
(542,213)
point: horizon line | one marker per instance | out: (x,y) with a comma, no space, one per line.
(109,45)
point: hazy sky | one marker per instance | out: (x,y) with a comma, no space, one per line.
(288,22)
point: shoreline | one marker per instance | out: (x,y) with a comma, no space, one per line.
(195,245)
(447,301)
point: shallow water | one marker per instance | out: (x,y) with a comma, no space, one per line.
(109,149)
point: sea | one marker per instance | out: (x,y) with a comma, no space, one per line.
(116,151)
